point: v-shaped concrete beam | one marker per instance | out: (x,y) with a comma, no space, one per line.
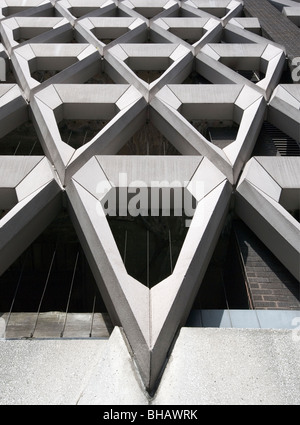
(150,317)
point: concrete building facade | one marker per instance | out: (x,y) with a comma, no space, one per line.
(149,202)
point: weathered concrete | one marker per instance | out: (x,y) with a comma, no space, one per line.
(114,372)
(46,372)
(232,367)
(207,367)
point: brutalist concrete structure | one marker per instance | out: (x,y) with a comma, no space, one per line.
(149,202)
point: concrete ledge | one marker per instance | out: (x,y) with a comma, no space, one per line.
(207,367)
(232,367)
(46,372)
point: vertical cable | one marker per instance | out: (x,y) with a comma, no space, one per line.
(125,248)
(148,259)
(42,297)
(32,148)
(70,135)
(226,299)
(70,293)
(16,290)
(93,316)
(85,136)
(170,250)
(17,148)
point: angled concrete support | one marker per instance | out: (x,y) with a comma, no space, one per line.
(13,108)
(150,317)
(23,30)
(284,109)
(171,62)
(74,11)
(226,63)
(30,200)
(65,63)
(9,8)
(192,32)
(106,32)
(267,197)
(115,108)
(192,114)
(221,9)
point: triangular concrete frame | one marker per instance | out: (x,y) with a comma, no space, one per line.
(149,9)
(33,196)
(36,29)
(248,24)
(204,30)
(72,60)
(284,109)
(24,8)
(258,204)
(221,9)
(150,317)
(292,13)
(122,30)
(174,59)
(214,62)
(241,104)
(13,108)
(121,104)
(88,8)
(233,33)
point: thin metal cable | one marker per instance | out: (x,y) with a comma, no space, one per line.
(170,249)
(17,148)
(32,148)
(125,248)
(69,296)
(148,259)
(16,290)
(93,315)
(43,294)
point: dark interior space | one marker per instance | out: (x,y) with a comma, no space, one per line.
(50,275)
(148,245)
(23,140)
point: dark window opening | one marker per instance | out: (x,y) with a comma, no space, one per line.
(274,142)
(50,289)
(107,35)
(224,285)
(196,78)
(23,140)
(149,246)
(148,141)
(189,35)
(220,133)
(77,133)
(148,12)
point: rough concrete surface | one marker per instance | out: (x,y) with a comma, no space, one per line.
(207,367)
(49,372)
(232,367)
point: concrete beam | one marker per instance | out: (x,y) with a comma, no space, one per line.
(151,324)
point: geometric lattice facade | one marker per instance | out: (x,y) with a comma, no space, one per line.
(149,173)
